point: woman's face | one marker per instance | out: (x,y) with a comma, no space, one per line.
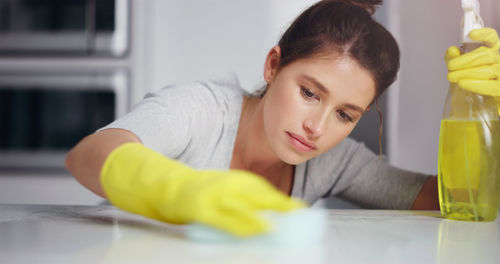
(313,104)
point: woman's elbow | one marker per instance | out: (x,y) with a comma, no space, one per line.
(72,158)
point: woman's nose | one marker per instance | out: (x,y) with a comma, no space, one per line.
(313,128)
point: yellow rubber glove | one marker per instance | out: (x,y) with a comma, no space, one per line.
(142,181)
(479,70)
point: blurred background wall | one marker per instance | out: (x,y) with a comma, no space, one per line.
(174,41)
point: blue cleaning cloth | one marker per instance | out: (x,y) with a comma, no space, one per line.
(299,227)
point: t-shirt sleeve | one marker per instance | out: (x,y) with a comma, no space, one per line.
(370,182)
(163,120)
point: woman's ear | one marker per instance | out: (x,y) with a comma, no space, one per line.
(272,63)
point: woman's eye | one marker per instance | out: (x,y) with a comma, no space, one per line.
(308,94)
(345,117)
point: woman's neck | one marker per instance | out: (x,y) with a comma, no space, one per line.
(252,150)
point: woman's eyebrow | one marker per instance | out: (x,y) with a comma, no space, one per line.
(355,108)
(316,83)
(326,91)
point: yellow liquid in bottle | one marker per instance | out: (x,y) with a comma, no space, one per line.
(468,170)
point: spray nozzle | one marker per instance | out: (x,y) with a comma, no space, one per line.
(471,19)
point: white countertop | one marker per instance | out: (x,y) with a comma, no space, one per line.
(103,234)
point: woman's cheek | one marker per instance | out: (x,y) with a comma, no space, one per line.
(335,134)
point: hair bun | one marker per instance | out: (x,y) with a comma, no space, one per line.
(368,5)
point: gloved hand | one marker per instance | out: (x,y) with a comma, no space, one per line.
(142,181)
(479,70)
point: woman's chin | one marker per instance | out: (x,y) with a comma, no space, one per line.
(293,158)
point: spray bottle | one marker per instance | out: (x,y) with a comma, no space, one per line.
(469,144)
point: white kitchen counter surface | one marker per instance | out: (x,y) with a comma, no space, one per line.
(43,187)
(103,234)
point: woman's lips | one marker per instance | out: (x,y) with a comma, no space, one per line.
(300,143)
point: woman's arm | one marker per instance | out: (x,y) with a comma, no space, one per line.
(86,159)
(428,197)
(114,164)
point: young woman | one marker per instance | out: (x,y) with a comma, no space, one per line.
(208,152)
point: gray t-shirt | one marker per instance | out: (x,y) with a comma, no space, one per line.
(196,123)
